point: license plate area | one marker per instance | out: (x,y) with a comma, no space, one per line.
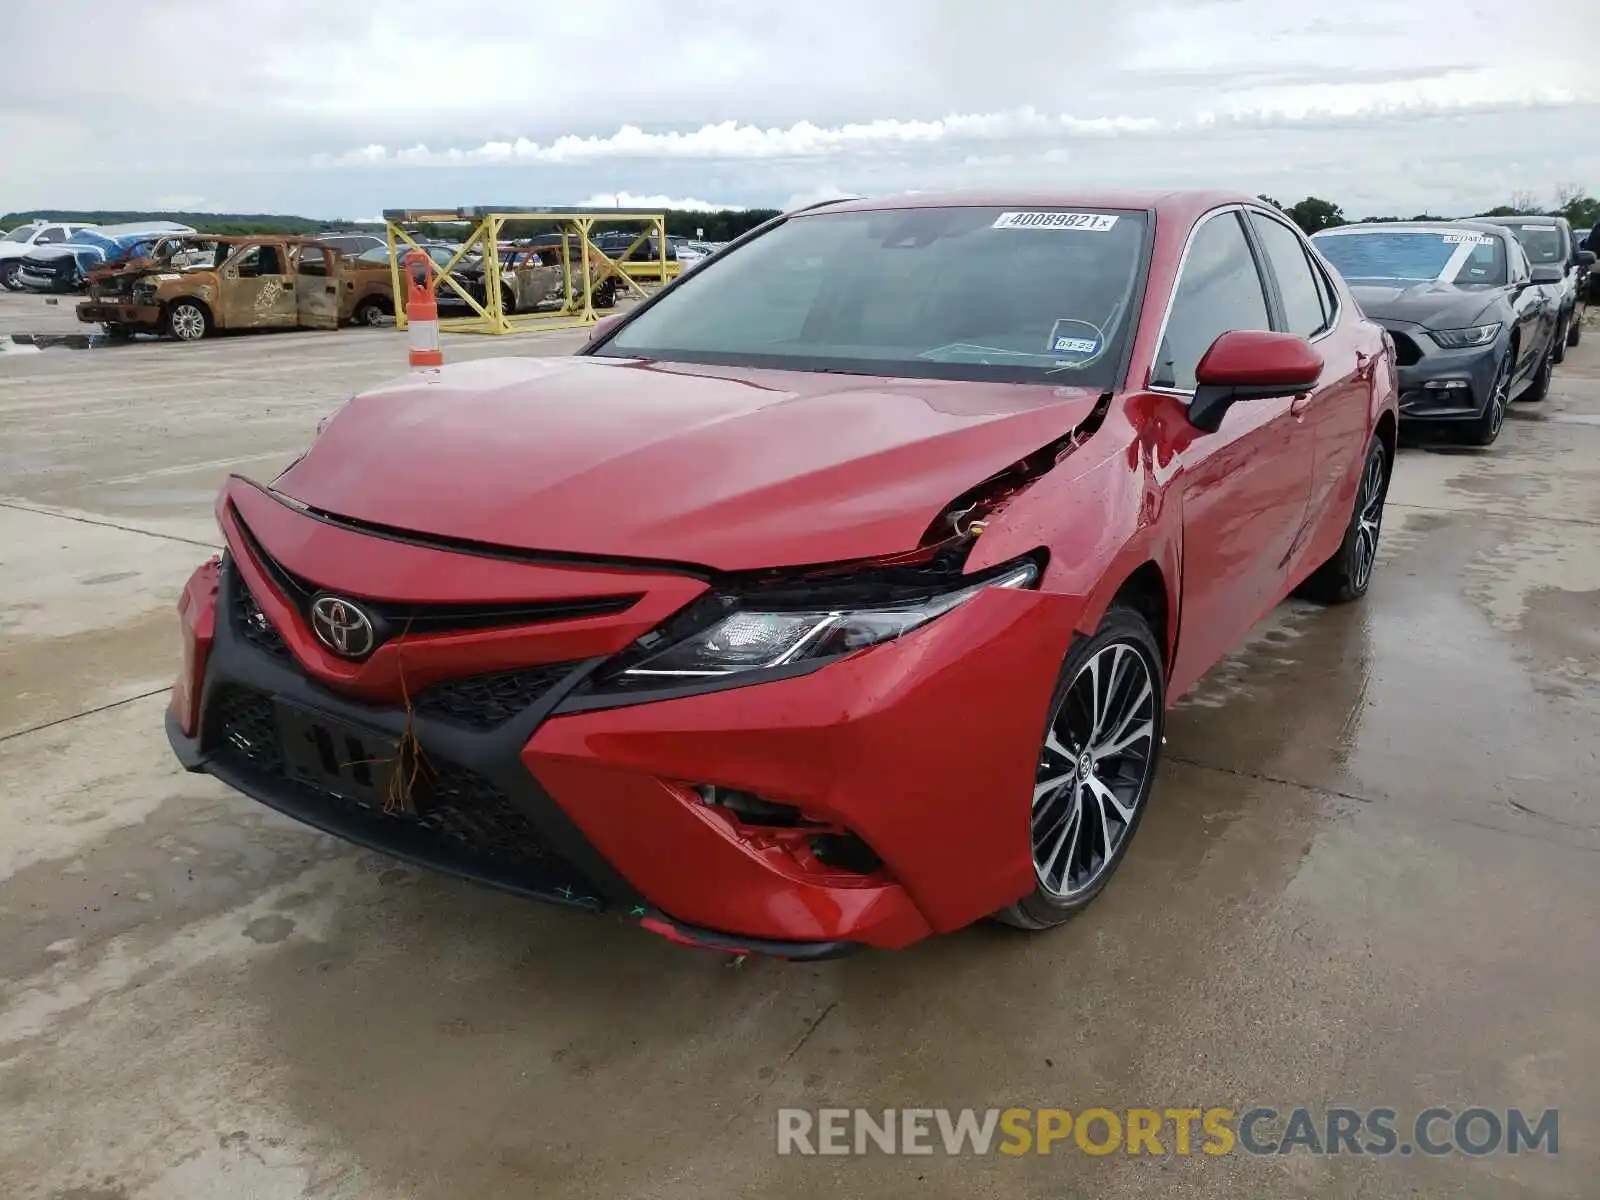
(347,760)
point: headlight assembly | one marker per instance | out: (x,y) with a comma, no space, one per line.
(1462,339)
(756,637)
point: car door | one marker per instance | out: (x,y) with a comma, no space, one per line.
(1244,489)
(1531,305)
(316,287)
(1336,414)
(257,289)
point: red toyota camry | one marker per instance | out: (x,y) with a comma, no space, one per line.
(833,597)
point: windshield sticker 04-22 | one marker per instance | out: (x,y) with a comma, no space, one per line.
(1090,222)
(1070,338)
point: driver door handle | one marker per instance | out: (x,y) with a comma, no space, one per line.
(1299,404)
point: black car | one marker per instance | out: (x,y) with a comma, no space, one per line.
(1589,239)
(1473,326)
(1549,243)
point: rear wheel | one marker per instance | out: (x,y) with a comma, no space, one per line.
(1095,769)
(1575,329)
(1540,387)
(370,311)
(188,320)
(1347,575)
(1486,428)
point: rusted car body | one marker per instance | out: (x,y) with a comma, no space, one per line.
(190,286)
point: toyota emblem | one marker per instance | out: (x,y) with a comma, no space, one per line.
(342,627)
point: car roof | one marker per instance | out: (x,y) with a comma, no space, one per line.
(1514,222)
(1440,226)
(1184,205)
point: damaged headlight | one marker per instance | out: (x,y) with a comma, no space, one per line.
(754,639)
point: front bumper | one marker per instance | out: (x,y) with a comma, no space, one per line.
(119,313)
(1440,384)
(34,279)
(923,749)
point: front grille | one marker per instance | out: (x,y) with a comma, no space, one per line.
(457,820)
(1406,351)
(487,701)
(251,622)
(392,619)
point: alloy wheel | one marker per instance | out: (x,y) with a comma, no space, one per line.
(1094,770)
(1369,519)
(188,322)
(1501,397)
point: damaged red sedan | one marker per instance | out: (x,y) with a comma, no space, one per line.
(832,598)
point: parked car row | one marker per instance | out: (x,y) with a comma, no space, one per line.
(1480,311)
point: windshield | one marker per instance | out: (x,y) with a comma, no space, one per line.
(1462,257)
(953,293)
(1543,243)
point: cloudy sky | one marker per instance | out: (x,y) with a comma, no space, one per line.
(338,109)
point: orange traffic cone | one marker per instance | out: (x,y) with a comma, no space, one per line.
(422,313)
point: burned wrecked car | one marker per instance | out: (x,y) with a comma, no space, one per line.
(189,286)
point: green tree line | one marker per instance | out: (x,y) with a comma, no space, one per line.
(721,226)
(1583,211)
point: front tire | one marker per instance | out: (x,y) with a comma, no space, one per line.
(1559,344)
(188,320)
(1102,743)
(1575,328)
(1347,575)
(8,274)
(1486,428)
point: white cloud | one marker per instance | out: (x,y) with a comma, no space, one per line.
(652,203)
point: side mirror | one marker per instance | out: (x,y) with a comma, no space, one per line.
(1249,364)
(602,327)
(1548,273)
(1586,258)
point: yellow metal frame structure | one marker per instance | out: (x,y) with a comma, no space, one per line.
(583,264)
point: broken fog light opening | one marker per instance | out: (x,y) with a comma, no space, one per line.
(845,852)
(752,809)
(752,639)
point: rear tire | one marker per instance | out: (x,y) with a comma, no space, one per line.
(1347,575)
(1540,387)
(369,312)
(1575,329)
(1102,745)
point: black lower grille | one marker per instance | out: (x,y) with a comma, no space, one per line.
(252,623)
(1406,352)
(454,818)
(488,701)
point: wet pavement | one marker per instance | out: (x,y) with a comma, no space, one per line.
(1368,878)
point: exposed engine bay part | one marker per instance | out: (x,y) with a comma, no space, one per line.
(964,519)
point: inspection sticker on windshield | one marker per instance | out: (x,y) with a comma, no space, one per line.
(1092,222)
(1067,338)
(1469,239)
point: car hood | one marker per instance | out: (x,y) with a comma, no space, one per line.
(1431,305)
(719,467)
(53,253)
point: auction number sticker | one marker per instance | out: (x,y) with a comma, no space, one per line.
(1092,222)
(1467,239)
